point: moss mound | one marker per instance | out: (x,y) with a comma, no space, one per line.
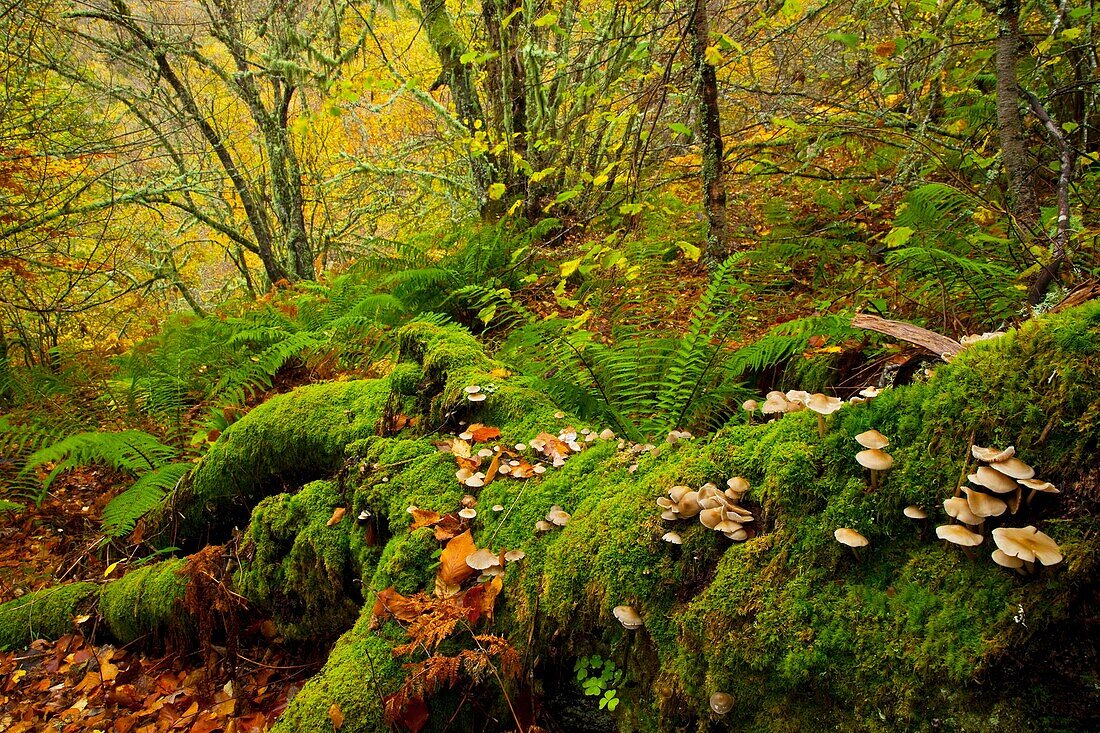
(44,614)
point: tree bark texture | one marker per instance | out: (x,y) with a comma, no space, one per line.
(1023,201)
(710,129)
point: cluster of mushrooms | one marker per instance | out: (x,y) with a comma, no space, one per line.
(796,400)
(491,564)
(718,510)
(1002,475)
(873,457)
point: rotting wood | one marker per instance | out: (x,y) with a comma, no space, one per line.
(940,345)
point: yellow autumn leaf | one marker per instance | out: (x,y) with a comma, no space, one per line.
(712,55)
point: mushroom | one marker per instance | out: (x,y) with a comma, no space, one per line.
(498,507)
(483,559)
(1015,468)
(514,555)
(823,405)
(1028,544)
(875,460)
(543,526)
(775,403)
(673,538)
(1007,561)
(467,513)
(872,439)
(798,397)
(607,434)
(557,516)
(993,480)
(850,537)
(628,617)
(957,507)
(750,406)
(721,702)
(870,392)
(914,512)
(959,535)
(736,487)
(1038,486)
(992,455)
(984,505)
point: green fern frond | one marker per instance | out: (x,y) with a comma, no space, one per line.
(132,451)
(122,512)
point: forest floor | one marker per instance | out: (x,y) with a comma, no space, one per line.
(75,685)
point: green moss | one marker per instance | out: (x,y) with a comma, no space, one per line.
(360,671)
(302,571)
(291,438)
(44,614)
(803,632)
(405,378)
(147,601)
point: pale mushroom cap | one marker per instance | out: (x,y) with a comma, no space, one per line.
(710,518)
(738,535)
(957,534)
(1036,484)
(776,403)
(514,555)
(984,505)
(1006,561)
(690,505)
(498,507)
(557,516)
(737,484)
(473,389)
(875,460)
(1028,544)
(1015,468)
(669,516)
(607,434)
(676,493)
(873,439)
(992,455)
(482,559)
(823,404)
(799,396)
(727,525)
(914,512)
(750,405)
(479,397)
(673,538)
(995,481)
(474,482)
(850,537)
(721,702)
(958,508)
(463,473)
(543,526)
(628,617)
(468,513)
(870,392)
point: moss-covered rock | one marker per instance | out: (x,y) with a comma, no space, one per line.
(288,440)
(44,614)
(303,571)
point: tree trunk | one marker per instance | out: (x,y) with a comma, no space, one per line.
(456,76)
(710,131)
(1022,199)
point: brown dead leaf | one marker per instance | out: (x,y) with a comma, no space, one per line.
(391,603)
(553,447)
(483,433)
(478,601)
(460,448)
(449,527)
(336,716)
(206,723)
(491,473)
(337,515)
(424,518)
(452,563)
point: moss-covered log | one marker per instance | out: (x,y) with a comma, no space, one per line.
(148,602)
(803,633)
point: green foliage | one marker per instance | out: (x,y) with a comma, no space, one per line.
(122,512)
(646,385)
(599,677)
(132,451)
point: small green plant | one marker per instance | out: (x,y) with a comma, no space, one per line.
(599,677)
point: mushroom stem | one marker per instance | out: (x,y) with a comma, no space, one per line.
(820,425)
(969,553)
(1030,496)
(874,479)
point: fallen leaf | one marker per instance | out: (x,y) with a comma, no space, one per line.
(478,601)
(483,433)
(336,716)
(391,603)
(491,473)
(336,516)
(452,563)
(424,518)
(448,527)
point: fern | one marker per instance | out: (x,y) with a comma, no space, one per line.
(132,451)
(123,512)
